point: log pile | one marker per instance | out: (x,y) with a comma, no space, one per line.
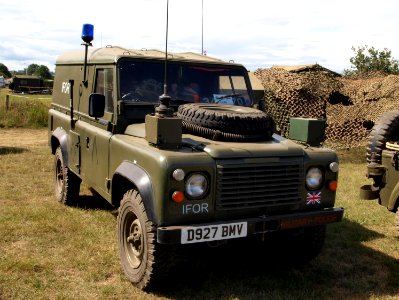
(350,105)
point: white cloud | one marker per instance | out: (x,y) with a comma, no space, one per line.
(256,33)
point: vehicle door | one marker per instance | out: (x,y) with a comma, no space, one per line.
(96,136)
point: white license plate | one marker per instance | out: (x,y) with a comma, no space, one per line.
(217,232)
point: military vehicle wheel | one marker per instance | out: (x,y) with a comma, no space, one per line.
(143,260)
(226,122)
(67,184)
(307,245)
(385,129)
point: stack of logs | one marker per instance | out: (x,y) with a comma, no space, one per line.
(350,105)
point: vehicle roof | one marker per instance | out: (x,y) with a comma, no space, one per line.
(111,54)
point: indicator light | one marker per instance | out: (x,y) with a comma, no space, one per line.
(178,174)
(334,167)
(332,185)
(178,196)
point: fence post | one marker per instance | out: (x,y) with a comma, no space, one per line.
(7,102)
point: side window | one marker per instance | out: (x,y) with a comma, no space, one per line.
(104,85)
(236,87)
(229,84)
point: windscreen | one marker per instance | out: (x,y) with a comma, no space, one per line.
(142,81)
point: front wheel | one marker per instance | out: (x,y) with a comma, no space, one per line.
(306,245)
(144,262)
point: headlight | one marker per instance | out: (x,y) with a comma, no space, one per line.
(314,178)
(196,185)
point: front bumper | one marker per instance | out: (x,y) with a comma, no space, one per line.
(258,225)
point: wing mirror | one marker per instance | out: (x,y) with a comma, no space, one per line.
(96,105)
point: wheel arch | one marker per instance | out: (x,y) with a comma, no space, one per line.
(131,176)
(59,138)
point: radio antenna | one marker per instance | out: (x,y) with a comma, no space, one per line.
(202,27)
(166,48)
(163,109)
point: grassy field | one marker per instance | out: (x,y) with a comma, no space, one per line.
(23,110)
(50,251)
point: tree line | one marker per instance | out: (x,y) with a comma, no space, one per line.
(366,59)
(33,69)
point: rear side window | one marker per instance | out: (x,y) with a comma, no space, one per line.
(104,85)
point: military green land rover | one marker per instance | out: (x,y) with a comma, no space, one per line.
(383,164)
(180,149)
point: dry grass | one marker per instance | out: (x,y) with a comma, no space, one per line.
(50,251)
(23,110)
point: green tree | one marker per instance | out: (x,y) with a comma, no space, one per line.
(44,72)
(4,71)
(370,59)
(32,68)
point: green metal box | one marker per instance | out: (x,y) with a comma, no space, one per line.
(308,130)
(164,132)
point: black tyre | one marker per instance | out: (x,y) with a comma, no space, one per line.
(226,122)
(385,129)
(66,183)
(313,241)
(143,261)
(307,245)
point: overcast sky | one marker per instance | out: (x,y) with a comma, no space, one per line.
(255,33)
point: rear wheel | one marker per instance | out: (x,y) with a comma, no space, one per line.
(144,262)
(66,183)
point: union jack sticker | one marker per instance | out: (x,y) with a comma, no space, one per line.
(313,198)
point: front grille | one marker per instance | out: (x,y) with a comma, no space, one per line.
(254,184)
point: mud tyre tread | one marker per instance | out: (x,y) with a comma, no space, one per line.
(155,260)
(226,122)
(67,184)
(308,245)
(386,129)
